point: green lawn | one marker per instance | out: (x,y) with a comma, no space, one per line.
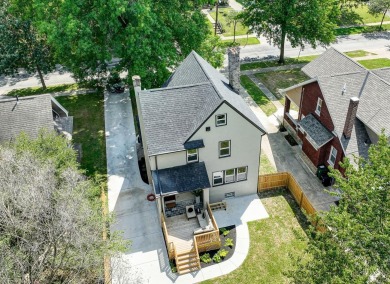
(265,165)
(39,90)
(273,242)
(361,29)
(241,41)
(274,63)
(358,53)
(281,79)
(222,18)
(375,63)
(362,11)
(88,129)
(258,96)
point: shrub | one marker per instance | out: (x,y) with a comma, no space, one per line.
(223,253)
(224,231)
(217,258)
(229,242)
(205,258)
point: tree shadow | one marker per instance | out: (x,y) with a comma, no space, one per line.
(377,35)
(299,214)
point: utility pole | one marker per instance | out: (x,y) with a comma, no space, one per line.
(216,17)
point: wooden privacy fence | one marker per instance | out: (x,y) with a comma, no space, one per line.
(286,179)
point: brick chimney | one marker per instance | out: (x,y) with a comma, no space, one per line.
(234,68)
(351,116)
(136,81)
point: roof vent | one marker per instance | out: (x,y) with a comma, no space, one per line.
(344,89)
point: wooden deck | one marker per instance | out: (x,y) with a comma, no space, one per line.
(181,232)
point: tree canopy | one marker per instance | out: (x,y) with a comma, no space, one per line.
(379,7)
(149,37)
(21,46)
(355,247)
(50,228)
(300,21)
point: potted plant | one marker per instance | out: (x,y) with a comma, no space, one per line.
(198,194)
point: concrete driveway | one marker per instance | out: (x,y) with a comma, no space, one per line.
(135,216)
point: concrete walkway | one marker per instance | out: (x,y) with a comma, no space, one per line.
(266,92)
(147,259)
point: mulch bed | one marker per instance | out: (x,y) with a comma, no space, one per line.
(291,140)
(231,235)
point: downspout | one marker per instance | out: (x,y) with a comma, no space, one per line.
(159,186)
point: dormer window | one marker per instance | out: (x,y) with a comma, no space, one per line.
(220,119)
(318,107)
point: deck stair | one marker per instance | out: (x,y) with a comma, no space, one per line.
(218,206)
(187,262)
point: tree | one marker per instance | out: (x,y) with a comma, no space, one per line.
(233,18)
(300,21)
(51,230)
(377,7)
(21,46)
(355,247)
(149,37)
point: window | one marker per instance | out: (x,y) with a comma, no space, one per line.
(217,178)
(332,156)
(220,119)
(224,148)
(192,155)
(242,173)
(318,107)
(230,175)
(230,194)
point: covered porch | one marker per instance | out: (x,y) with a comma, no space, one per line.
(187,221)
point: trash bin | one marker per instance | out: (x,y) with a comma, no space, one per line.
(321,171)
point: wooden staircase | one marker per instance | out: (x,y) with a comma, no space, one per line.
(187,262)
(218,206)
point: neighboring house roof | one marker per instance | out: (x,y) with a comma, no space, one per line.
(317,132)
(331,62)
(341,78)
(28,115)
(172,114)
(32,113)
(179,179)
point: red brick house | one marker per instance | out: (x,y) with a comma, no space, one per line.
(342,109)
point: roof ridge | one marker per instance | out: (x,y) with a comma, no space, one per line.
(175,87)
(379,77)
(9,98)
(344,73)
(207,75)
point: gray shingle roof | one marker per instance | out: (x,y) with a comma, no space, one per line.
(383,73)
(372,91)
(185,178)
(195,90)
(29,116)
(330,63)
(318,132)
(358,143)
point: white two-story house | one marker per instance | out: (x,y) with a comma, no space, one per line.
(199,134)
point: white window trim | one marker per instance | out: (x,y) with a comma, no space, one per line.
(221,122)
(197,156)
(319,104)
(224,148)
(330,156)
(215,174)
(232,175)
(239,174)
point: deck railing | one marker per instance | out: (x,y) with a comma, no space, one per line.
(210,240)
(170,245)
